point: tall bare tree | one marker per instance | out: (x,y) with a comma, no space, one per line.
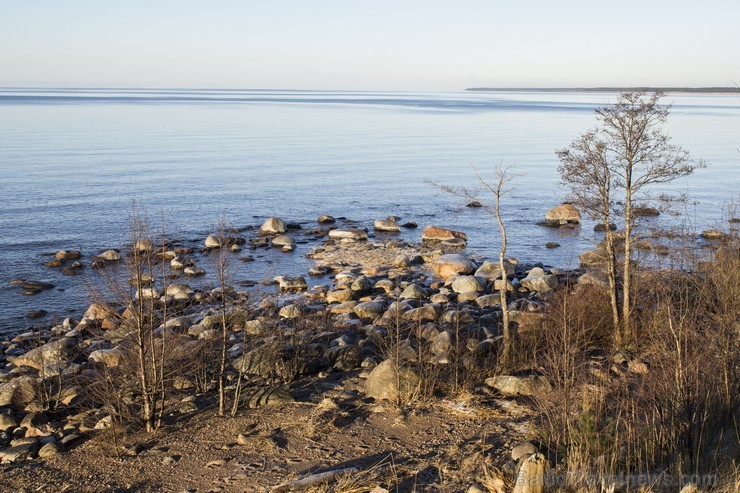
(585,170)
(498,189)
(628,151)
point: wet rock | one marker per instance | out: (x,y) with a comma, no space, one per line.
(283,241)
(36,314)
(410,225)
(714,234)
(68,254)
(563,214)
(552,244)
(386,226)
(645,212)
(326,220)
(601,227)
(291,284)
(110,256)
(474,203)
(435,233)
(193,271)
(348,234)
(273,225)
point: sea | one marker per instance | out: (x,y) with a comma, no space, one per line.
(73,161)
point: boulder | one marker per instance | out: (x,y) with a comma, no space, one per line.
(427,313)
(212,242)
(18,393)
(110,358)
(414,292)
(468,284)
(435,233)
(291,284)
(339,296)
(110,256)
(389,382)
(594,278)
(452,264)
(369,310)
(273,226)
(538,281)
(68,254)
(594,258)
(492,269)
(324,219)
(282,240)
(386,226)
(510,385)
(563,214)
(348,234)
(52,353)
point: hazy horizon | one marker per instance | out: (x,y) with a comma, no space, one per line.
(411,46)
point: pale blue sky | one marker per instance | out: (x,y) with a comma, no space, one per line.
(376,45)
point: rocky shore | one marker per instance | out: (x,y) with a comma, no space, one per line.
(383,327)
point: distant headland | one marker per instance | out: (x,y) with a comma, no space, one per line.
(694,90)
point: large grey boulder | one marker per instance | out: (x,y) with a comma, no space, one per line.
(389,382)
(467,284)
(52,353)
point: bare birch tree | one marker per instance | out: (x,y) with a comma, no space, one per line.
(628,151)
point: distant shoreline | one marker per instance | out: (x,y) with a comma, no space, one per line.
(689,90)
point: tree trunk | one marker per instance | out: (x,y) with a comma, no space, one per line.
(613,286)
(503,288)
(627,275)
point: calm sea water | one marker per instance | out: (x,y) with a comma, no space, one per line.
(73,160)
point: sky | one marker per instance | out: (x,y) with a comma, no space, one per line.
(369,45)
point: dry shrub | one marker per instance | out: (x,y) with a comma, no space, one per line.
(669,405)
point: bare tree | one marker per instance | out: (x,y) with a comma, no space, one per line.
(629,151)
(498,189)
(223,269)
(584,169)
